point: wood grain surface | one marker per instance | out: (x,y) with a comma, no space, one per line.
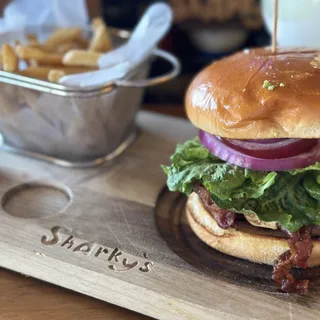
(23,298)
(97,235)
(26,298)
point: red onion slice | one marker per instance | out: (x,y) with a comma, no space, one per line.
(228,154)
(260,144)
(272,149)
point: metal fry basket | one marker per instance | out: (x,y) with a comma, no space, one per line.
(74,127)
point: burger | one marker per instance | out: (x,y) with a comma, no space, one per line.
(252,175)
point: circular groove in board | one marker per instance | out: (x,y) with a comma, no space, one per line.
(36,200)
(174,228)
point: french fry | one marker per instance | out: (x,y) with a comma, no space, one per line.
(40,73)
(42,57)
(97,22)
(10,59)
(101,40)
(51,73)
(34,42)
(82,43)
(39,46)
(62,35)
(56,74)
(81,58)
(33,63)
(65,47)
(66,51)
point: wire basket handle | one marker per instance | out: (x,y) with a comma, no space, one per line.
(157,53)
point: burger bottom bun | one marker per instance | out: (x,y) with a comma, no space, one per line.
(250,246)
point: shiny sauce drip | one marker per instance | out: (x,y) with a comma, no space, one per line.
(224,218)
(301,245)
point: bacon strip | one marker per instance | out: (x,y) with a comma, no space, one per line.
(301,245)
(224,218)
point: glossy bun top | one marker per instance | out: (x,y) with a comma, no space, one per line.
(255,94)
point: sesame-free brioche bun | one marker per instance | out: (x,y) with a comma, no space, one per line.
(249,244)
(228,99)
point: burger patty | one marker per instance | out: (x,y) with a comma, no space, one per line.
(227,218)
(300,242)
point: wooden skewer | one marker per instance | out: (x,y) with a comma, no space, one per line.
(275,26)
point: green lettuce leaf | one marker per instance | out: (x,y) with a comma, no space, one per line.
(291,198)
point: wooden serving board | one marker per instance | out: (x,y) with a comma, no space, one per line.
(94,231)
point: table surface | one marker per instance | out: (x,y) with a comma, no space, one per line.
(24,298)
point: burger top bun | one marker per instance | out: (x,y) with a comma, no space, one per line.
(255,94)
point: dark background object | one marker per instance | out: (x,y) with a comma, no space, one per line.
(203,31)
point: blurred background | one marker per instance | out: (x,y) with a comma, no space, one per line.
(204,30)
